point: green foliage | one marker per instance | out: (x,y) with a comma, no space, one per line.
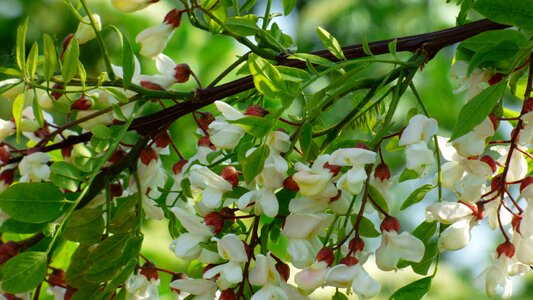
(24,272)
(254,163)
(518,13)
(417,195)
(85,226)
(414,290)
(70,60)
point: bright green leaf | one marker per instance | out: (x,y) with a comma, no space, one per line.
(267,78)
(367,228)
(366,48)
(24,272)
(331,43)
(242,26)
(50,57)
(128,63)
(33,202)
(21,46)
(306,139)
(477,109)
(518,13)
(256,126)
(33,59)
(293,74)
(408,175)
(379,200)
(288,5)
(37,110)
(70,60)
(417,195)
(413,291)
(18,107)
(425,231)
(431,251)
(65,175)
(85,226)
(313,59)
(254,163)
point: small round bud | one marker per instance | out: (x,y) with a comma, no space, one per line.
(215,220)
(83,103)
(147,154)
(490,161)
(382,172)
(326,254)
(515,222)
(149,271)
(231,175)
(356,244)
(57,277)
(182,72)
(495,78)
(173,17)
(7,176)
(506,248)
(5,154)
(162,139)
(284,270)
(178,167)
(494,120)
(290,184)
(390,224)
(228,294)
(256,110)
(116,189)
(349,261)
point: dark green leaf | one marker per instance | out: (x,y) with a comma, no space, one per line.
(379,200)
(85,226)
(65,175)
(50,57)
(331,43)
(70,60)
(466,6)
(14,226)
(254,163)
(256,126)
(477,109)
(306,139)
(425,231)
(37,111)
(109,250)
(24,272)
(367,228)
(408,175)
(366,48)
(417,195)
(431,251)
(288,5)
(242,26)
(413,291)
(518,13)
(33,202)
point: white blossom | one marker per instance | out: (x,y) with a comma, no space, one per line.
(34,167)
(85,31)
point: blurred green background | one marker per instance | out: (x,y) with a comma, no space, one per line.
(209,55)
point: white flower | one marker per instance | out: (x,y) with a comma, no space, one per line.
(419,129)
(473,143)
(85,30)
(497,280)
(315,182)
(154,39)
(264,201)
(7,128)
(136,78)
(34,167)
(187,245)
(396,246)
(222,134)
(526,136)
(230,248)
(131,5)
(473,83)
(312,277)
(356,277)
(152,177)
(265,275)
(213,185)
(517,168)
(457,235)
(447,212)
(138,287)
(418,156)
(201,288)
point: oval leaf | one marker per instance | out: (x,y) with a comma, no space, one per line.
(24,272)
(414,290)
(417,195)
(70,60)
(331,43)
(50,57)
(33,202)
(253,164)
(85,226)
(518,13)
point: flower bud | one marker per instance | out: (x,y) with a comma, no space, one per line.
(7,176)
(256,110)
(162,139)
(65,43)
(85,30)
(182,73)
(497,182)
(506,248)
(215,220)
(205,141)
(173,17)
(231,175)
(494,120)
(284,270)
(228,294)
(118,155)
(151,86)
(515,222)
(83,103)
(178,167)
(335,169)
(349,261)
(326,254)
(58,86)
(382,172)
(149,271)
(147,154)
(361,145)
(528,105)
(290,184)
(228,214)
(116,189)
(5,154)
(204,119)
(356,244)
(57,277)
(66,151)
(390,224)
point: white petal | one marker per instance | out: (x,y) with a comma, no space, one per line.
(228,111)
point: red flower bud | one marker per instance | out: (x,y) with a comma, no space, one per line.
(149,271)
(515,222)
(215,220)
(204,141)
(326,254)
(349,261)
(290,184)
(64,46)
(5,154)
(151,86)
(361,145)
(204,119)
(356,244)
(7,176)
(178,167)
(173,17)
(162,139)
(116,189)
(66,151)
(256,110)
(528,105)
(56,95)
(335,169)
(495,78)
(382,172)
(83,103)
(57,277)
(182,73)
(231,175)
(118,155)
(228,294)
(284,270)
(147,154)
(494,120)
(506,248)
(228,214)
(390,224)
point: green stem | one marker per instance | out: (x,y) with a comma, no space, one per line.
(266,18)
(235,64)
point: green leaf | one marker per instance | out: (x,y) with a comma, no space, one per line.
(33,202)
(425,231)
(267,78)
(24,272)
(11,72)
(314,59)
(21,46)
(18,107)
(37,110)
(82,73)
(366,48)
(14,226)
(518,13)
(117,94)
(306,139)
(367,228)
(70,60)
(65,176)
(293,74)
(466,6)
(288,5)
(417,195)
(408,175)
(475,111)
(242,26)
(431,251)
(128,63)
(331,43)
(254,163)
(85,226)
(109,250)
(413,291)
(33,59)
(256,126)
(50,57)
(378,198)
